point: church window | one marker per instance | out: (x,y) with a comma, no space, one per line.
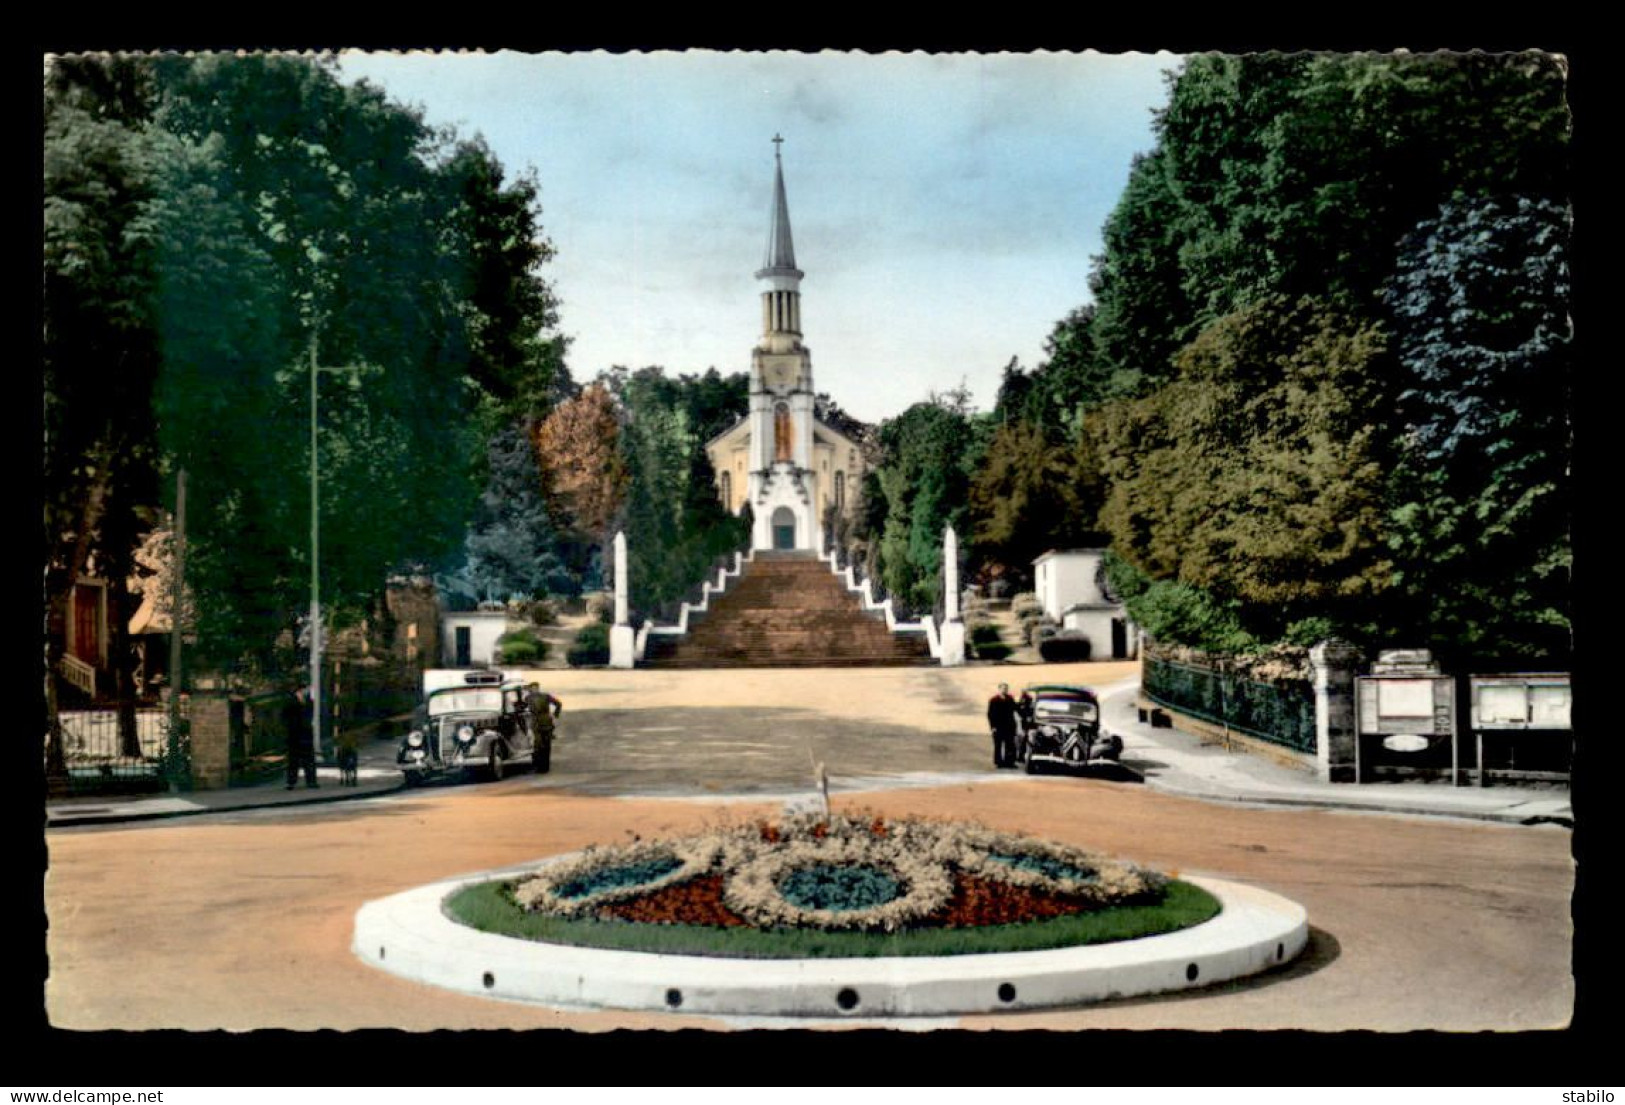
(781,432)
(840,490)
(727,490)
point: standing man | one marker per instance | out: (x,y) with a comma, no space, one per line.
(544,715)
(301,735)
(1001,718)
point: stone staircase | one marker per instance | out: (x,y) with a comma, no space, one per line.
(787,610)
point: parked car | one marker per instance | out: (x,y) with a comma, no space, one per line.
(470,720)
(1060,725)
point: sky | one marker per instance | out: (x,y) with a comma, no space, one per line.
(944,207)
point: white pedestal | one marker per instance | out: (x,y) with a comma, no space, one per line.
(953,644)
(622,640)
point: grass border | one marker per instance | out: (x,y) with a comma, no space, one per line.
(489,907)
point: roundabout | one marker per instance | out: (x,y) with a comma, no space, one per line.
(416,934)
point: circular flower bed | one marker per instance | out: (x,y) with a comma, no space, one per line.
(844,873)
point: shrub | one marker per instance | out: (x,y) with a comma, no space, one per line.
(591,646)
(543,612)
(521,646)
(1063,648)
(996,650)
(985,633)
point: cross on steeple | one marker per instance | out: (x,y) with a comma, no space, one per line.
(777,142)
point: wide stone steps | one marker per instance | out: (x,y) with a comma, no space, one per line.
(787,610)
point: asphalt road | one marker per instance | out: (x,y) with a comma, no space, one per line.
(243,921)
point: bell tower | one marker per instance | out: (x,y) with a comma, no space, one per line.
(782,479)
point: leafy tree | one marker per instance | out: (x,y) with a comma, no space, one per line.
(675,525)
(99,348)
(1256,475)
(512,546)
(929,452)
(1482,493)
(583,470)
(1029,496)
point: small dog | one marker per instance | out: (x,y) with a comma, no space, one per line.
(347,766)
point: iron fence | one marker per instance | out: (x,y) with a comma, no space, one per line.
(96,758)
(1281,713)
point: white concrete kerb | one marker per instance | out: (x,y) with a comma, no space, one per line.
(410,935)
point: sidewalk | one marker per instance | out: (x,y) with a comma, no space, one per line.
(1179,763)
(374,776)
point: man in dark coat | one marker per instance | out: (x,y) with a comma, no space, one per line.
(1001,718)
(301,735)
(544,715)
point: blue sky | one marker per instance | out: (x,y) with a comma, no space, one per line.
(944,207)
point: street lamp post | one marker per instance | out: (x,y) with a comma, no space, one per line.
(315,571)
(316,641)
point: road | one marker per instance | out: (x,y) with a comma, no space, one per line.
(243,921)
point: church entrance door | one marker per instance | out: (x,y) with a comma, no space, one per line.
(784,528)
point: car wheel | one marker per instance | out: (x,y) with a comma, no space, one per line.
(412,779)
(1031,766)
(495,763)
(542,756)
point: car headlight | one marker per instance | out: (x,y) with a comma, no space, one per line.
(465,735)
(414,739)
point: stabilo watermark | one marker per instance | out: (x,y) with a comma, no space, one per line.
(1591,1097)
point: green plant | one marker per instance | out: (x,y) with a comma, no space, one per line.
(542,612)
(986,634)
(997,650)
(521,646)
(591,646)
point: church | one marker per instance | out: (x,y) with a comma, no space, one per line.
(790,467)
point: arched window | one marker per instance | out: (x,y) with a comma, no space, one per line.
(781,432)
(727,491)
(840,490)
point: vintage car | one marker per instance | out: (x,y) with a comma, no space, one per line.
(1060,725)
(476,720)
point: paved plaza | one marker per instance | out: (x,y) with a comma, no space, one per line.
(244,919)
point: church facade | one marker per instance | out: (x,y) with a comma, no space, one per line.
(790,467)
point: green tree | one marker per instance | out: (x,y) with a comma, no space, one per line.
(99,349)
(1257,474)
(1482,494)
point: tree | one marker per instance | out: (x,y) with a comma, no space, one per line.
(512,545)
(1029,496)
(583,470)
(1257,474)
(321,195)
(1482,494)
(929,452)
(99,349)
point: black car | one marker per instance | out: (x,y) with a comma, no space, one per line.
(477,720)
(1060,725)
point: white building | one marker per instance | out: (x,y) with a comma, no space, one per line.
(1071,589)
(787,464)
(469,639)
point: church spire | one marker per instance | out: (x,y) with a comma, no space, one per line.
(781,249)
(781,302)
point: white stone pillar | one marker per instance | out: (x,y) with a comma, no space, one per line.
(622,639)
(953,628)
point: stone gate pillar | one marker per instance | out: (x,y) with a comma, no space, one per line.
(953,627)
(621,637)
(1335,663)
(209,713)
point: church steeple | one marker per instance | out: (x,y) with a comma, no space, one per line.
(781,249)
(781,302)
